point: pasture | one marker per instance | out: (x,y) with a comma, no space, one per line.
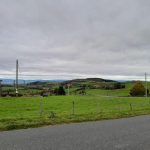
(24,112)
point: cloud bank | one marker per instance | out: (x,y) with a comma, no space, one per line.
(75,38)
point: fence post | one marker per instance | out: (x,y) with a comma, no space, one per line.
(131,107)
(73,107)
(97,106)
(41,106)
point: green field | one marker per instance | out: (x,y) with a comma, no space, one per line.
(24,112)
(97,104)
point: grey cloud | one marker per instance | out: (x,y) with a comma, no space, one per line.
(83,37)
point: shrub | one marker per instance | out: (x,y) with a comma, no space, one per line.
(59,91)
(138,89)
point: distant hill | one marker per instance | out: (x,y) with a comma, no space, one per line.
(88,80)
(42,82)
(20,81)
(99,80)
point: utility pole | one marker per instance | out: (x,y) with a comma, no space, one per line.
(146,85)
(17,65)
(0,87)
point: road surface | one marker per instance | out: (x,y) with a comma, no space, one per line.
(120,134)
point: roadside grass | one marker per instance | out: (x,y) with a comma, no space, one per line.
(24,112)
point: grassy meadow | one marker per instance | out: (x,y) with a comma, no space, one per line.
(24,112)
(97,104)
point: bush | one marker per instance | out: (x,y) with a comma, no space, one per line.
(138,90)
(59,91)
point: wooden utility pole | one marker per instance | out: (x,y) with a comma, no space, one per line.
(17,77)
(0,87)
(146,94)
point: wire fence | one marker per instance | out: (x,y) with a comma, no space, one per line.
(58,107)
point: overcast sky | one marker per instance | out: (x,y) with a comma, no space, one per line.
(75,38)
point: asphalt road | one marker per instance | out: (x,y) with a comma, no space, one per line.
(121,134)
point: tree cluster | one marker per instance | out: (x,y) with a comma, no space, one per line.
(59,91)
(138,89)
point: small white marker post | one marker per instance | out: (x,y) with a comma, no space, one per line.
(17,92)
(41,105)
